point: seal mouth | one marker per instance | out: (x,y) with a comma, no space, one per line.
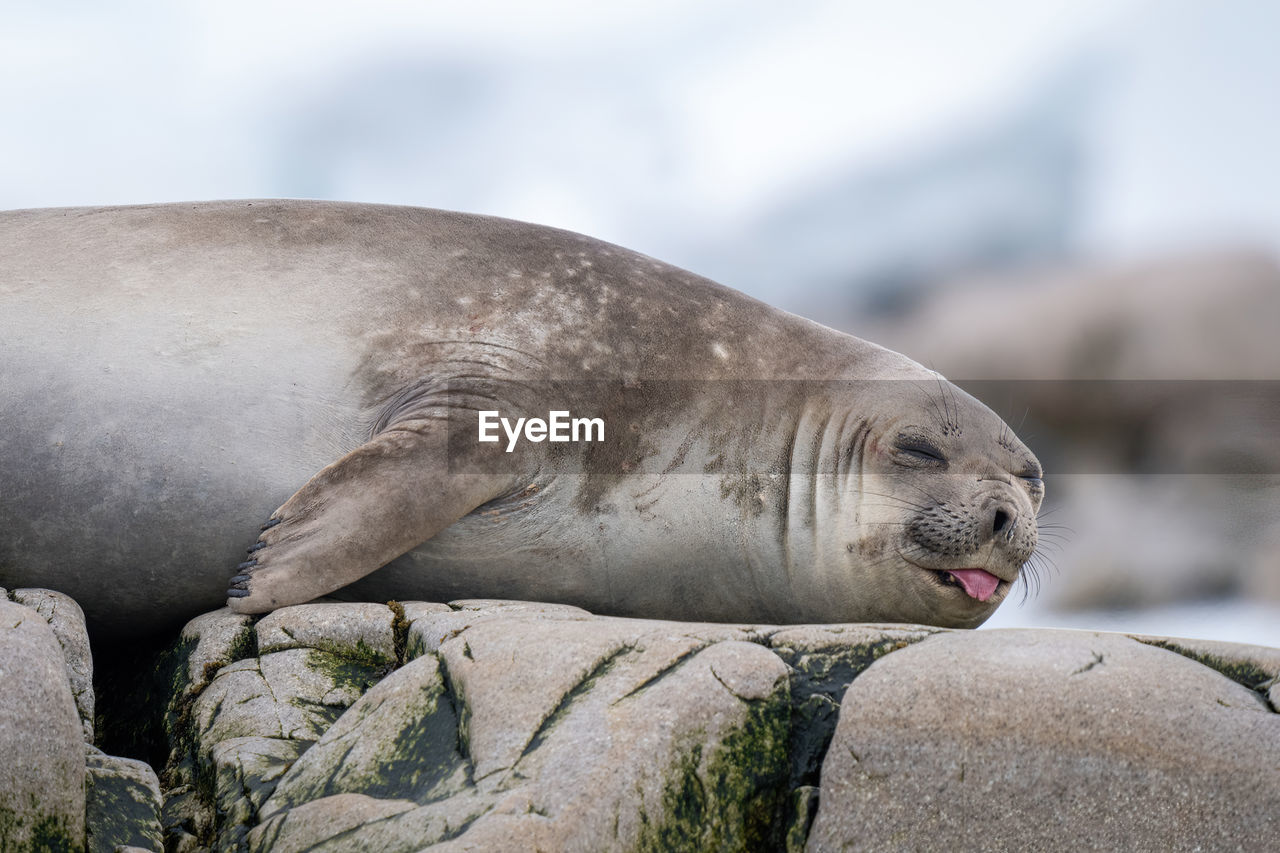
(976,583)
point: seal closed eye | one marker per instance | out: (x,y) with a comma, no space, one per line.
(174,376)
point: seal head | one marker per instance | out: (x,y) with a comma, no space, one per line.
(954,494)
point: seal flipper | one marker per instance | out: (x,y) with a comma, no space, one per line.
(380,500)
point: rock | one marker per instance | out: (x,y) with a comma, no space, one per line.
(429,628)
(255,718)
(1039,739)
(256,695)
(412,610)
(1262,575)
(119,799)
(1162,367)
(294,694)
(1182,541)
(1104,322)
(214,640)
(187,818)
(517,725)
(247,770)
(207,644)
(824,660)
(395,749)
(397,741)
(306,665)
(363,822)
(123,805)
(804,806)
(1254,667)
(42,775)
(67,621)
(357,631)
(545,726)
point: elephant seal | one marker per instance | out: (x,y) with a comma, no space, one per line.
(174,376)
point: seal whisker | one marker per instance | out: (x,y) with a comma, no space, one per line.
(1023,420)
(901,501)
(938,406)
(1047,560)
(1037,563)
(929,498)
(950,408)
(1029,578)
(947,391)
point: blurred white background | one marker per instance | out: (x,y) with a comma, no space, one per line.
(858,162)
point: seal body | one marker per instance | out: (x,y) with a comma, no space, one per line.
(303,379)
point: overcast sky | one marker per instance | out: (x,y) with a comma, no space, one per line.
(132,101)
(625,119)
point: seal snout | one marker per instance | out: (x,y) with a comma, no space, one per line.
(1004,521)
(987,539)
(1001,519)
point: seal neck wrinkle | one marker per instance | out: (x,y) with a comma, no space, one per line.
(808,454)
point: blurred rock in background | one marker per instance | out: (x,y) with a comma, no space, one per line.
(1150,391)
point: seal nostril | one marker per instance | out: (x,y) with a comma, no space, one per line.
(1000,522)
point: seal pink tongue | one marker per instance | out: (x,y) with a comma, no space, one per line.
(978,583)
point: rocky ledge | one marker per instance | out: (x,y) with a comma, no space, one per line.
(489,725)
